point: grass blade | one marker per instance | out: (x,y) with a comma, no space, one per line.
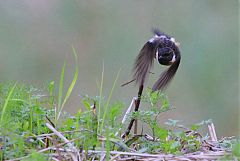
(100,95)
(6,102)
(70,88)
(60,91)
(108,100)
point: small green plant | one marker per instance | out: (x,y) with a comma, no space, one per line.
(24,132)
(25,110)
(164,140)
(24,117)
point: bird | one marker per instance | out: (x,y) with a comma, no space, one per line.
(163,48)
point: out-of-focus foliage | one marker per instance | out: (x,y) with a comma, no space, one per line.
(36,37)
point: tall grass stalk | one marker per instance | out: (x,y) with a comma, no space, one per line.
(6,102)
(108,101)
(60,91)
(70,88)
(100,95)
(31,114)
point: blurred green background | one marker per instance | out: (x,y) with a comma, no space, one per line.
(36,38)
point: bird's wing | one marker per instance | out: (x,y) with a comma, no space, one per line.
(167,75)
(144,62)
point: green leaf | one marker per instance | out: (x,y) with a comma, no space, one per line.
(108,101)
(160,132)
(236,150)
(6,102)
(86,104)
(70,88)
(195,127)
(75,77)
(60,92)
(51,87)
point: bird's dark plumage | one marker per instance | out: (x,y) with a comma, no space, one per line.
(166,51)
(144,62)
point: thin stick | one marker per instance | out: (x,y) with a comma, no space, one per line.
(60,135)
(212,132)
(133,80)
(126,114)
(75,157)
(128,110)
(114,157)
(128,82)
(137,104)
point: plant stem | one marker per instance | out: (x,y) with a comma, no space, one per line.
(137,104)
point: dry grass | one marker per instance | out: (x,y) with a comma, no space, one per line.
(65,150)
